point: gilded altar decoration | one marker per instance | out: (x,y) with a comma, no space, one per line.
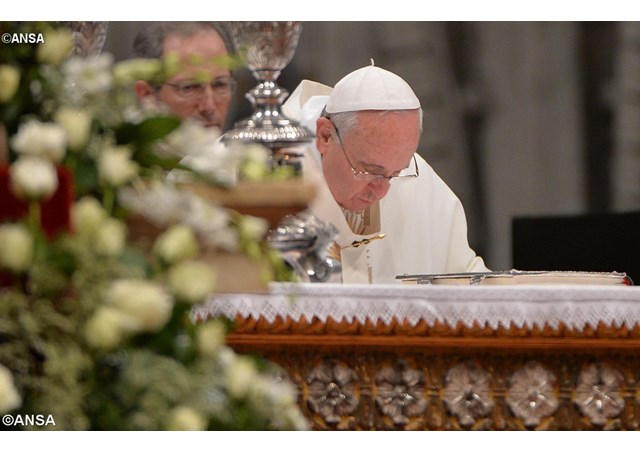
(598,393)
(532,394)
(96,327)
(400,393)
(333,391)
(478,374)
(467,393)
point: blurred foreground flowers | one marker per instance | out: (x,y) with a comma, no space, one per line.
(95,325)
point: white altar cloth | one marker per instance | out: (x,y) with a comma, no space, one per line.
(577,306)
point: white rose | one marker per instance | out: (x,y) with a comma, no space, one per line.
(129,71)
(203,216)
(45,140)
(203,152)
(240,376)
(56,46)
(254,171)
(210,336)
(88,75)
(86,214)
(76,124)
(161,203)
(192,281)
(16,247)
(176,244)
(183,418)
(9,82)
(110,238)
(108,327)
(33,178)
(225,239)
(192,138)
(257,153)
(211,222)
(292,419)
(253,228)
(143,300)
(226,356)
(9,396)
(255,166)
(277,399)
(278,395)
(115,166)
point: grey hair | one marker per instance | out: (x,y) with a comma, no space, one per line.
(149,42)
(346,122)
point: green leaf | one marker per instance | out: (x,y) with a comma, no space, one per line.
(133,258)
(62,259)
(149,159)
(85,177)
(148,131)
(153,129)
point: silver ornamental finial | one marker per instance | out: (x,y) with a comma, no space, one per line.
(88,37)
(267,47)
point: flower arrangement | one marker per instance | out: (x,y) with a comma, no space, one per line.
(95,326)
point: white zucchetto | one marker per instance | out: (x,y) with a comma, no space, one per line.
(371,88)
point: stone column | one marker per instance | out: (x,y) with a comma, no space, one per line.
(532,144)
(626,153)
(420,53)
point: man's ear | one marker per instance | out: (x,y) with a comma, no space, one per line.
(143,89)
(324,129)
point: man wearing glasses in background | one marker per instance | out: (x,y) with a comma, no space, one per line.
(203,87)
(393,212)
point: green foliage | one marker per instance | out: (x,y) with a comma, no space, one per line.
(130,369)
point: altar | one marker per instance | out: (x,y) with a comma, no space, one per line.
(429,357)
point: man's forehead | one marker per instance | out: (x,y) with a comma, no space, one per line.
(379,132)
(204,43)
(387,124)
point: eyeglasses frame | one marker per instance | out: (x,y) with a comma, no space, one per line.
(232,83)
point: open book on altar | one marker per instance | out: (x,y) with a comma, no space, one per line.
(515,277)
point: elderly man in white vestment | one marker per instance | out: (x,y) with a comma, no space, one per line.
(393,212)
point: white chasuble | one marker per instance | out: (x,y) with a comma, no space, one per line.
(422,225)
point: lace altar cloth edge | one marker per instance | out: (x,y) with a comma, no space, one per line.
(577,306)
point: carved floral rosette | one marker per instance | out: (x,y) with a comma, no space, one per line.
(399,393)
(333,392)
(598,393)
(531,395)
(467,393)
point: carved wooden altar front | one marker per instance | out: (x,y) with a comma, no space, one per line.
(436,375)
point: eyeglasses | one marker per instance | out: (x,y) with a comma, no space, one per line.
(371,177)
(222,87)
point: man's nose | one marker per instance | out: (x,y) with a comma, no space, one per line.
(379,187)
(208,99)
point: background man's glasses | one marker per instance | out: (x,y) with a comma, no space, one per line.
(371,177)
(222,87)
